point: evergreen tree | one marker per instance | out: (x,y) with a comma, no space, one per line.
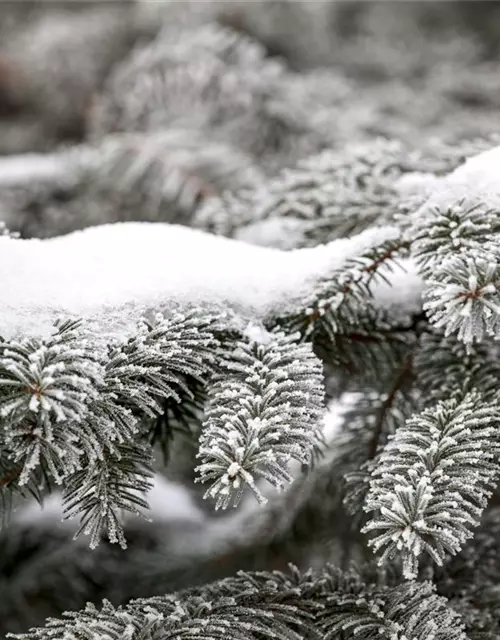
(249,328)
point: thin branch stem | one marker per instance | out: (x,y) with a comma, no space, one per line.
(401,376)
(370,269)
(10,476)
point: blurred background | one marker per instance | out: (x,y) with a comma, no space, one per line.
(402,68)
(150,110)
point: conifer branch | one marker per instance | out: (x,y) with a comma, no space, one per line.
(73,412)
(458,250)
(359,277)
(339,304)
(195,125)
(465,367)
(263,411)
(433,481)
(105,489)
(287,606)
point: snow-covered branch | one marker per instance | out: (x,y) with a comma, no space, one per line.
(113,275)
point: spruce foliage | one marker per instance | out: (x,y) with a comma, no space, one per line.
(350,415)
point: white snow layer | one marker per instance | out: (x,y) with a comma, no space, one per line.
(168,501)
(30,167)
(480,172)
(478,177)
(112,275)
(335,414)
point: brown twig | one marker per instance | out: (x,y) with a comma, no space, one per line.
(478,293)
(402,374)
(10,476)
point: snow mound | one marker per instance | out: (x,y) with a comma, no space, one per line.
(30,168)
(478,177)
(112,275)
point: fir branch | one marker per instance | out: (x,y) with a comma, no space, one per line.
(371,354)
(358,283)
(368,426)
(263,411)
(463,298)
(106,488)
(359,273)
(153,365)
(141,373)
(9,478)
(147,176)
(47,386)
(178,418)
(458,251)
(477,564)
(470,580)
(73,413)
(213,79)
(337,304)
(326,196)
(50,378)
(433,480)
(443,231)
(464,367)
(406,611)
(250,607)
(258,606)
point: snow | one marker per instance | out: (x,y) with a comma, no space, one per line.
(168,501)
(171,501)
(284,233)
(171,504)
(417,183)
(335,414)
(482,170)
(51,511)
(479,176)
(30,167)
(401,295)
(112,275)
(257,333)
